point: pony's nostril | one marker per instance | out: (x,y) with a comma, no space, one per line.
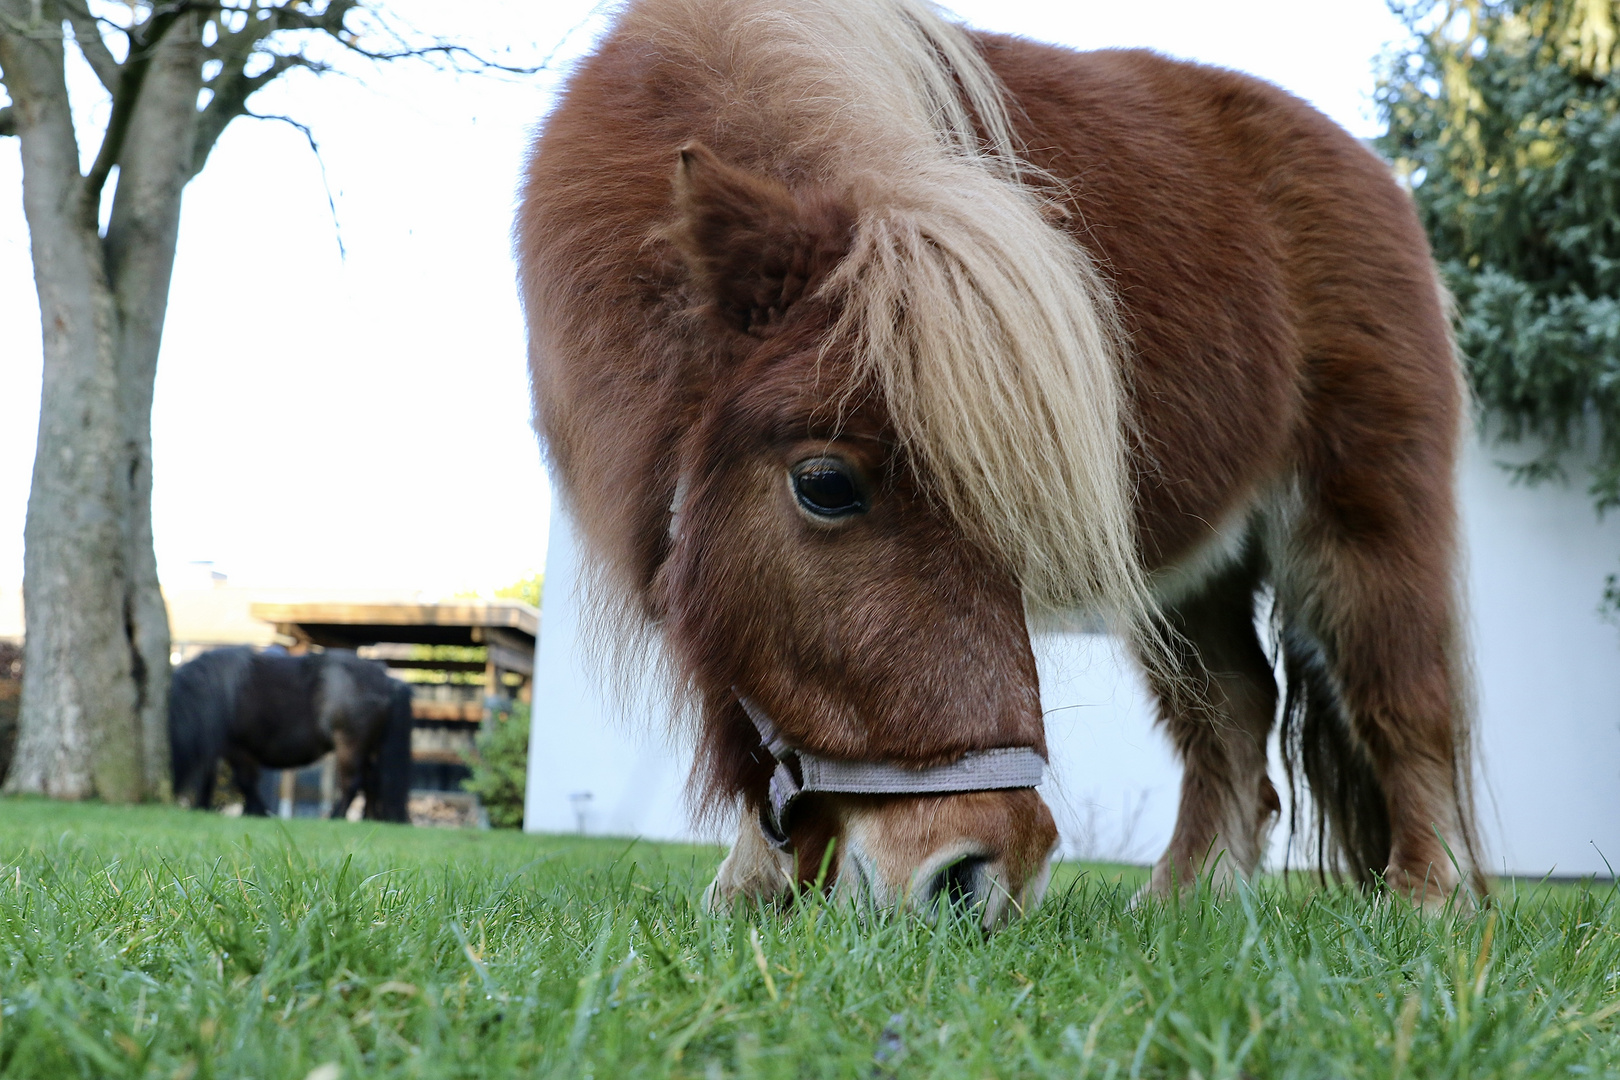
(959,885)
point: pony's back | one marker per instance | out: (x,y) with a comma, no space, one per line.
(203,699)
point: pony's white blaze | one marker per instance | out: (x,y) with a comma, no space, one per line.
(990,332)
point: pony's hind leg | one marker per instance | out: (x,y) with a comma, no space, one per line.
(1378,713)
(1217,699)
(369,784)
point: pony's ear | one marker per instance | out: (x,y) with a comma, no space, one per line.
(754,247)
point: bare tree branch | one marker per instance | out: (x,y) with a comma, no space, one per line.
(448,51)
(460,57)
(87,33)
(562,42)
(235,50)
(143,37)
(331,203)
(8,122)
(36,26)
(330,19)
(231,89)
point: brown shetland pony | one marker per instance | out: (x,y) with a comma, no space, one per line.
(860,339)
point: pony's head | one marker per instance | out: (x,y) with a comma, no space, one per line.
(838,586)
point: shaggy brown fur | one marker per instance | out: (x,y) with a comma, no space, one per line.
(729,267)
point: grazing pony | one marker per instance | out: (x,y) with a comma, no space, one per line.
(860,339)
(269,709)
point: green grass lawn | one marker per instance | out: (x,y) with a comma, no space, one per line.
(160,943)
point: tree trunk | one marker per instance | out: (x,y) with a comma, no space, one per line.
(93,719)
(140,244)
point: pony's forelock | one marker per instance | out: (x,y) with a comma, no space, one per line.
(989,331)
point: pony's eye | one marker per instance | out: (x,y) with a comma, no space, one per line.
(827,488)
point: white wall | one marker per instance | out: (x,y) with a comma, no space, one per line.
(1548,673)
(597,764)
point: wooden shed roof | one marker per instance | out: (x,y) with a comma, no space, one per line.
(460,622)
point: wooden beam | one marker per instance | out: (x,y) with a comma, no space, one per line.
(494,636)
(435,665)
(471,712)
(438,757)
(294,632)
(507,614)
(510,659)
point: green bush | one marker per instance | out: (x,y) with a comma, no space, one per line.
(500,766)
(1504,116)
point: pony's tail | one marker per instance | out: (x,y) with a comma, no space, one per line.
(1348,816)
(393,761)
(202,701)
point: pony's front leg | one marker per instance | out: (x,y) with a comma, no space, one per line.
(245,772)
(347,790)
(1217,699)
(350,772)
(752,870)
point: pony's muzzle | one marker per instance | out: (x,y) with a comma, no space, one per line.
(981,855)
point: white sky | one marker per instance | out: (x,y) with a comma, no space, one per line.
(365,422)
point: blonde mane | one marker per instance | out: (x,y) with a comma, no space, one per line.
(989,331)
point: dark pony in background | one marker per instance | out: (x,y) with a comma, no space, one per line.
(268,709)
(862,342)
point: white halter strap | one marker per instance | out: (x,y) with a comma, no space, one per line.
(800,773)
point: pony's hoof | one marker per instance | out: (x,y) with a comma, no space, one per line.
(1182,877)
(1430,893)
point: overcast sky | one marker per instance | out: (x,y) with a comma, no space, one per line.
(365,421)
